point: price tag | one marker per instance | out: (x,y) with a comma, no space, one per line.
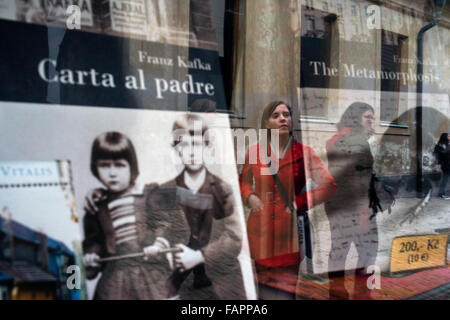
(418,252)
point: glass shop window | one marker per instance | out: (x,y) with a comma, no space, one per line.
(226,15)
(146,54)
(395,68)
(318,31)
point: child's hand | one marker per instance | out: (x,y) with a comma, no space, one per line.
(159,244)
(188,258)
(93,197)
(91,260)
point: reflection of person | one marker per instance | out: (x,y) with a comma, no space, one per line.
(196,212)
(442,151)
(119,226)
(350,162)
(271,226)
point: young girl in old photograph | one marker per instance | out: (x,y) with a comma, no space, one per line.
(120,225)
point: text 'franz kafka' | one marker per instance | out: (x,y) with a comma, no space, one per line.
(49,72)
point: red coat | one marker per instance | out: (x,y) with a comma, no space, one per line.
(272,231)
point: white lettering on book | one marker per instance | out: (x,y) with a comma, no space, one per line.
(48,73)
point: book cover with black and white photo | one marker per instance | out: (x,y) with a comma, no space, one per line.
(157,197)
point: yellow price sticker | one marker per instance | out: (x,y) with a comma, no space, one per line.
(418,252)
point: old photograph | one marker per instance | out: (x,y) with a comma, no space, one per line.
(157,198)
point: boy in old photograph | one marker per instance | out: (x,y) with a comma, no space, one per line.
(195,212)
(119,226)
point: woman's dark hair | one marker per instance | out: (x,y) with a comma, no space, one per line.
(268,110)
(353,115)
(114,145)
(444,138)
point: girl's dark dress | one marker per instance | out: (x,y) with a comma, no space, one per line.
(121,227)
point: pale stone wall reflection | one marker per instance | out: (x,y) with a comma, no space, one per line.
(268,57)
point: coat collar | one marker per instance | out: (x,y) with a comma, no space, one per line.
(293,154)
(179,180)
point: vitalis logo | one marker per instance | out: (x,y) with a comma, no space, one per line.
(8,171)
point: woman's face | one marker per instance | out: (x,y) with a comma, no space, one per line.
(115,174)
(367,121)
(280,119)
(448,137)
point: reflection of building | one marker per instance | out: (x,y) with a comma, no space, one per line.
(183,23)
(341,59)
(338,58)
(32,265)
(53,12)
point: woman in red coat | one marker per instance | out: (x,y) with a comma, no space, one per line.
(271,227)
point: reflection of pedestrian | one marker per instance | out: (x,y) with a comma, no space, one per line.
(119,225)
(350,162)
(442,151)
(271,227)
(196,212)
